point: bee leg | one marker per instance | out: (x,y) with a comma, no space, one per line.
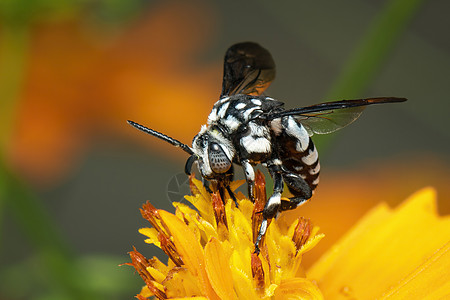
(250,177)
(221,189)
(205,183)
(299,188)
(232,195)
(224,184)
(272,206)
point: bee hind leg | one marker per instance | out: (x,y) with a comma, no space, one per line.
(299,188)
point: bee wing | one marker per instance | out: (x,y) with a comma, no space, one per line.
(328,121)
(248,69)
(328,117)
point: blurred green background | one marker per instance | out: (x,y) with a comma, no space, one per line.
(74,174)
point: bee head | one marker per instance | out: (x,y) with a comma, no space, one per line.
(214,152)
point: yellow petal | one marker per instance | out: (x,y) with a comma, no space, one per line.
(181,283)
(152,235)
(205,229)
(287,255)
(243,284)
(312,242)
(145,292)
(190,250)
(202,201)
(297,288)
(246,208)
(241,260)
(193,298)
(218,269)
(157,274)
(383,248)
(203,206)
(275,251)
(239,228)
(431,280)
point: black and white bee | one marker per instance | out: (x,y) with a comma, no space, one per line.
(248,128)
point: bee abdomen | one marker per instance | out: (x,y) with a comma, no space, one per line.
(298,153)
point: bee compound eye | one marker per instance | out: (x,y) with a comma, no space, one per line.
(218,160)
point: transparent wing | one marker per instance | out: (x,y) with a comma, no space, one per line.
(329,121)
(328,117)
(248,69)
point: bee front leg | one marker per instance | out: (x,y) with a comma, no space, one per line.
(205,183)
(273,205)
(224,184)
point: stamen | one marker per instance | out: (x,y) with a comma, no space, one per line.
(219,209)
(169,248)
(257,272)
(260,202)
(150,213)
(140,263)
(302,232)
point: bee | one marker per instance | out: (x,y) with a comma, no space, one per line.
(247,128)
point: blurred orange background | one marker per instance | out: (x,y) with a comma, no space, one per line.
(73,73)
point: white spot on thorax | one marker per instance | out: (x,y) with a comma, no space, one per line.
(257,130)
(223,110)
(248,112)
(256,145)
(240,105)
(212,116)
(232,123)
(222,100)
(256,102)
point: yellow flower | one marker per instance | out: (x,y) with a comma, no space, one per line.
(401,253)
(211,249)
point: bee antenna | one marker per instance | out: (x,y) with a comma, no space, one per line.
(162,136)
